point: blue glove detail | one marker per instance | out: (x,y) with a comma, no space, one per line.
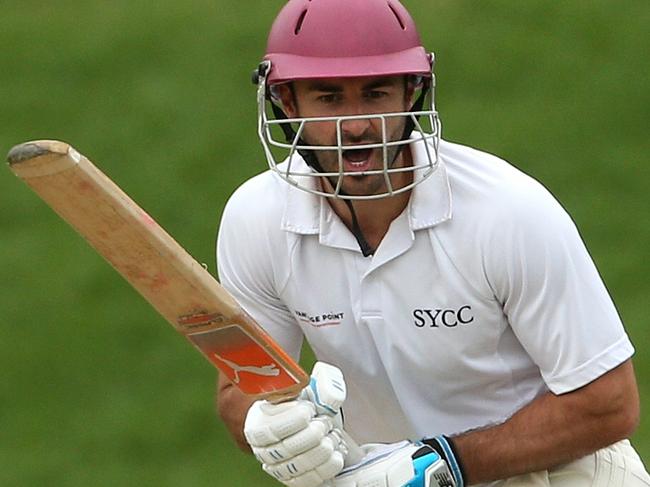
(444,447)
(420,465)
(313,386)
(401,464)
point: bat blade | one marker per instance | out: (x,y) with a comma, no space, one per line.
(175,284)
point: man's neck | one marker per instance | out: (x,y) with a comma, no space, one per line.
(375,216)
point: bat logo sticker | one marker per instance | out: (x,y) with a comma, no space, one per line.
(265,370)
(243,359)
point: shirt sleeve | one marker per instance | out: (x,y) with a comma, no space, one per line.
(246,258)
(552,294)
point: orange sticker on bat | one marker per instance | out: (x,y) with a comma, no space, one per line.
(250,366)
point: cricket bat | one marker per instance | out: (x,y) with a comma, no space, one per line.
(175,284)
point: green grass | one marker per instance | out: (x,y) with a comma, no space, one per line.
(96,389)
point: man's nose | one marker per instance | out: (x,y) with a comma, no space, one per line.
(355,128)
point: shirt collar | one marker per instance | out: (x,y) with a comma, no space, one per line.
(309,214)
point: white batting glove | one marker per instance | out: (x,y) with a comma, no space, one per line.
(300,442)
(404,464)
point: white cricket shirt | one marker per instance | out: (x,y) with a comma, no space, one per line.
(480,297)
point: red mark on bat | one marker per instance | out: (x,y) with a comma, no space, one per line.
(158,281)
(148,220)
(154,282)
(84,186)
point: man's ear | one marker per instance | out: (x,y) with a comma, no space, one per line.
(287,98)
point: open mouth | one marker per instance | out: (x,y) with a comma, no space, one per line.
(357,159)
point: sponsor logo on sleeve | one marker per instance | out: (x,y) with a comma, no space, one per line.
(320,319)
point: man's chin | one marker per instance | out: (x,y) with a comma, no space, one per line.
(363,185)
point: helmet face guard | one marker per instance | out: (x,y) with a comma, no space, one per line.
(281,139)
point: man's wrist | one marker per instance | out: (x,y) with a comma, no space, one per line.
(445,447)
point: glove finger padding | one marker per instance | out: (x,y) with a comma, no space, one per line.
(305,440)
(326,460)
(267,424)
(318,477)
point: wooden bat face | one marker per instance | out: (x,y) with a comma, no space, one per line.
(177,286)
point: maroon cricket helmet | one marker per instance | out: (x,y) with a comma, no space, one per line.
(344,38)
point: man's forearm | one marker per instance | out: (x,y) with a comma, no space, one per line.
(553,429)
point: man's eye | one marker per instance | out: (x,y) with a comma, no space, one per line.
(331,98)
(375,95)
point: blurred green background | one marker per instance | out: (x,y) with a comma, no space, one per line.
(95,388)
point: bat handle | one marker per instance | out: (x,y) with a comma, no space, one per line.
(355,452)
(327,391)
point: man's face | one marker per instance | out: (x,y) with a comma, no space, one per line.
(335,97)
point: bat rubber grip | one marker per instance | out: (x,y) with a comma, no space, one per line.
(327,391)
(355,453)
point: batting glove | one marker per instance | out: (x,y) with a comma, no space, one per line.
(405,464)
(301,442)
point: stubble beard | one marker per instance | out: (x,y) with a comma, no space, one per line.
(364,184)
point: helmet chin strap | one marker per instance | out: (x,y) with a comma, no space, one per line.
(310,158)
